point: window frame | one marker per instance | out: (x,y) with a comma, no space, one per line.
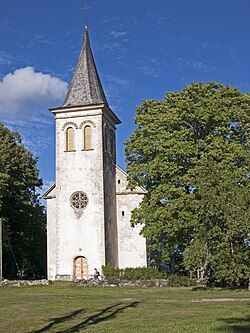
(87,145)
(69,147)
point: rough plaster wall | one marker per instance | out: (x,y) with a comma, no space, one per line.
(80,234)
(132,246)
(94,232)
(111,237)
(51,238)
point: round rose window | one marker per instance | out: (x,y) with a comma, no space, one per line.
(79,200)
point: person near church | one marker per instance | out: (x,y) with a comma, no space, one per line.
(96,274)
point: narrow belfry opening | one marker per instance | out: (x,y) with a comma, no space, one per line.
(69,139)
(87,138)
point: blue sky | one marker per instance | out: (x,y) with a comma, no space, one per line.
(142,50)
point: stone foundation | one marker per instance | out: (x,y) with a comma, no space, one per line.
(19,283)
(65,277)
(123,283)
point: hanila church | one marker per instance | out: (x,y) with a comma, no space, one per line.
(89,207)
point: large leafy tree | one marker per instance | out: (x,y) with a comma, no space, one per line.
(24,233)
(190,151)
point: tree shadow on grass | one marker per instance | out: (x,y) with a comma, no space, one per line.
(106,314)
(58,320)
(235,325)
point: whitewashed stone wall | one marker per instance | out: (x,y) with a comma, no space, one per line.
(132,246)
(79,234)
(109,171)
(93,233)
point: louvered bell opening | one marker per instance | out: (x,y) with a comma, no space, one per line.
(70,139)
(87,138)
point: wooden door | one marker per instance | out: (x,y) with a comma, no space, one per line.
(80,268)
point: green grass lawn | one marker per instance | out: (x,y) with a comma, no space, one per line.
(63,307)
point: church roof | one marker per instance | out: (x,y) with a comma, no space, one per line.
(85,88)
(51,192)
(123,189)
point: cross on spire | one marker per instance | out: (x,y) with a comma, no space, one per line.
(85,9)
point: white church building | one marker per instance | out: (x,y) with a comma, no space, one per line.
(89,207)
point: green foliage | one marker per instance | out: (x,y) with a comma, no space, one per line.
(110,272)
(191,153)
(175,280)
(131,274)
(195,255)
(142,273)
(24,225)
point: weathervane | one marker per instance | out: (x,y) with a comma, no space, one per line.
(85,9)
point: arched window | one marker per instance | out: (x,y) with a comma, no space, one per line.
(69,139)
(87,137)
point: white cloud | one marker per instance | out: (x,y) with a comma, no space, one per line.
(149,71)
(25,92)
(25,96)
(39,39)
(117,34)
(185,63)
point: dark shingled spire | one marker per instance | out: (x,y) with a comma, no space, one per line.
(85,88)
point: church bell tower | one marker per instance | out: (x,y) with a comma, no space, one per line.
(82,233)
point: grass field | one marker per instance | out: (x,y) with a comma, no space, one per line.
(63,308)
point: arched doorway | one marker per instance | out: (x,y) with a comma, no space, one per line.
(80,268)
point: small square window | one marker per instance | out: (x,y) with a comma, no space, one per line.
(123,213)
(119,182)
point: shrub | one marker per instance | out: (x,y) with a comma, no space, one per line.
(110,272)
(132,274)
(180,281)
(142,273)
